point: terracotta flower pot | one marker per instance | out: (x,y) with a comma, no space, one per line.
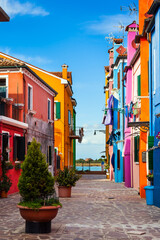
(64,192)
(4,194)
(43,214)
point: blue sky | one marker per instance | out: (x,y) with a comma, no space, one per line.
(50,33)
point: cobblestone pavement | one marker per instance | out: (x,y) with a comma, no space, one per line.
(98,209)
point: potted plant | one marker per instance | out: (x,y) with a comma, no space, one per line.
(106,167)
(17,166)
(149,190)
(66,179)
(150,178)
(5,182)
(9,165)
(39,204)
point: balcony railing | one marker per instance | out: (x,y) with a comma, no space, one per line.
(8,109)
(76,134)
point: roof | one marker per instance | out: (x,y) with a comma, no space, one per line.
(154,7)
(132,25)
(109,50)
(106,68)
(145,26)
(59,74)
(120,56)
(3,16)
(6,63)
(150,25)
(117,40)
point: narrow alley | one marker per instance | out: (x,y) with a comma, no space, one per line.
(98,209)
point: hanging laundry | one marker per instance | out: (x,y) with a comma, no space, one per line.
(104,117)
(135,110)
(126,111)
(131,109)
(109,118)
(115,93)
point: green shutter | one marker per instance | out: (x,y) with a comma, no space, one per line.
(139,85)
(150,153)
(58,110)
(136,149)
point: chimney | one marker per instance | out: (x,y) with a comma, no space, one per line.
(64,71)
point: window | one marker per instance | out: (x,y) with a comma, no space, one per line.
(4,87)
(49,155)
(136,149)
(69,117)
(19,148)
(57,110)
(118,159)
(139,85)
(30,97)
(118,120)
(5,145)
(49,108)
(150,153)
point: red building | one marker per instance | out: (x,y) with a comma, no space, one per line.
(26,111)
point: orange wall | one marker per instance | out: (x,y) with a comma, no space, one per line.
(144,56)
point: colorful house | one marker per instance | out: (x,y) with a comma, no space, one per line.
(64,115)
(131,49)
(153,33)
(106,91)
(26,111)
(145,113)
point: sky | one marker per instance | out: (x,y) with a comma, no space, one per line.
(50,33)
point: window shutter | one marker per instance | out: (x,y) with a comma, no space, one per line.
(118,159)
(136,149)
(50,155)
(139,85)
(118,120)
(150,153)
(58,162)
(119,79)
(58,110)
(20,148)
(15,148)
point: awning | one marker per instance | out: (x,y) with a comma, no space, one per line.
(138,124)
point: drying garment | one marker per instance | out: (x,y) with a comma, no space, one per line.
(109,118)
(104,117)
(131,109)
(126,111)
(112,160)
(135,110)
(115,93)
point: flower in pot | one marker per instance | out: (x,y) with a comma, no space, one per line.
(9,165)
(39,204)
(5,184)
(106,167)
(17,166)
(150,178)
(66,179)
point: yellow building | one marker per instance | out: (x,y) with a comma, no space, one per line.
(64,113)
(106,91)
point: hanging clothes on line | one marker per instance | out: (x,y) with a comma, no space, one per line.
(115,93)
(109,118)
(131,109)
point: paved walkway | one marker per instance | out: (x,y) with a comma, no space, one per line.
(98,210)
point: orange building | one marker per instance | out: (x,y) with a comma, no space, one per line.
(144,116)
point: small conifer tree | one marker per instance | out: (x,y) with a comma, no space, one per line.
(35,182)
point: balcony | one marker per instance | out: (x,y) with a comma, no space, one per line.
(76,134)
(10,110)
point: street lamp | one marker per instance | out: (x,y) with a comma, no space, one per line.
(103,131)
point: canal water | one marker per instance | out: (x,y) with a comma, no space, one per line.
(92,168)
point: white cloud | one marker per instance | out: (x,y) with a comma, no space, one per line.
(14,7)
(90,138)
(107,24)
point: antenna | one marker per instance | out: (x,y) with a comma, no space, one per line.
(122,28)
(110,38)
(132,9)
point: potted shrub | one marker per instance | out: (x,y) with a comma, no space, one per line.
(150,178)
(149,190)
(5,182)
(66,179)
(106,167)
(39,204)
(17,166)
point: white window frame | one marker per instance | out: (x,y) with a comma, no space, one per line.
(49,115)
(8,144)
(6,77)
(31,97)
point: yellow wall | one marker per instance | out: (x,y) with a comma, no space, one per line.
(107,127)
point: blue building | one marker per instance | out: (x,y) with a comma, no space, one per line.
(120,61)
(153,32)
